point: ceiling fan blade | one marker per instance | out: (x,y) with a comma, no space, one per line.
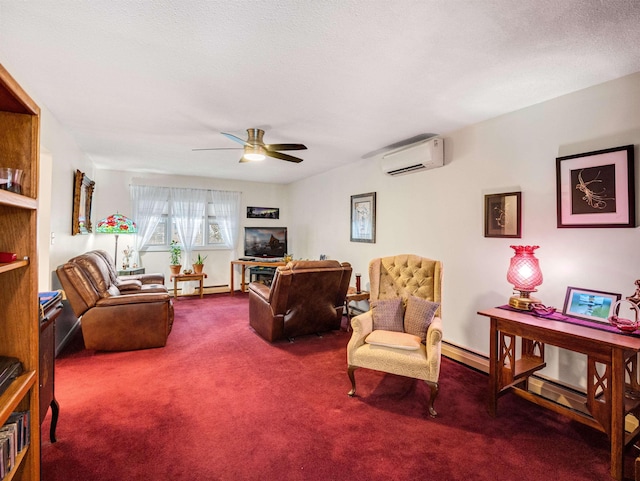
(236,139)
(243,160)
(221,148)
(281,156)
(273,147)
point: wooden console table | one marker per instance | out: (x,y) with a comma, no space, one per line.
(187,277)
(244,265)
(616,354)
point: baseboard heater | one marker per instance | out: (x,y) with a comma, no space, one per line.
(541,386)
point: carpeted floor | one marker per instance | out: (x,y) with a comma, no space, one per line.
(220,403)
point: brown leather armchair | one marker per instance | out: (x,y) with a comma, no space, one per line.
(117,313)
(305,297)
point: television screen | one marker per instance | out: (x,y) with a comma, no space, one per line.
(265,241)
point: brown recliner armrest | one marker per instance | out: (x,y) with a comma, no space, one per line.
(138,298)
(153,278)
(129,285)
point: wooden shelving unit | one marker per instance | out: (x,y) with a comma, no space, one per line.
(19,320)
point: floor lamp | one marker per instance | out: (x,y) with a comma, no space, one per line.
(116,224)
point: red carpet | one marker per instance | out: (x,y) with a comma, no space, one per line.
(219,403)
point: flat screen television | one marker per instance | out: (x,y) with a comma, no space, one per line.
(265,241)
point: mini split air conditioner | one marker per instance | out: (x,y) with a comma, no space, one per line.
(427,154)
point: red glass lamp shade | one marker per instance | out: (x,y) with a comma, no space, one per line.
(525,275)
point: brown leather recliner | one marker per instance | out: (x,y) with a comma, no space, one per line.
(117,313)
(305,297)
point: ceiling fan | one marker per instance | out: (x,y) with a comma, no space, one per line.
(256,149)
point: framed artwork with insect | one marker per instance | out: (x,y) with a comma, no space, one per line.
(596,189)
(503,215)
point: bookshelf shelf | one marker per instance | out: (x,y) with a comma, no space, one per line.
(10,399)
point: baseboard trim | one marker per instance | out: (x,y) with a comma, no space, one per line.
(542,386)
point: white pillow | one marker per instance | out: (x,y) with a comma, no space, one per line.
(398,340)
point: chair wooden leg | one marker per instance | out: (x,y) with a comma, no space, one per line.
(353,380)
(433,387)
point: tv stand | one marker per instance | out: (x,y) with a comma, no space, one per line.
(244,264)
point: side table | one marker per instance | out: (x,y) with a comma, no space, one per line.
(50,309)
(353,296)
(131,272)
(187,277)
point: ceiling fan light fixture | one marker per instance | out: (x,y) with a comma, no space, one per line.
(255,152)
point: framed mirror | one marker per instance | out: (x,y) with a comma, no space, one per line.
(82,196)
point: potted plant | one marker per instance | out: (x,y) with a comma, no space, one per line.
(198,264)
(176,253)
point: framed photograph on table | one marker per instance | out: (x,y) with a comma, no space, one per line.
(596,189)
(363,217)
(503,215)
(590,305)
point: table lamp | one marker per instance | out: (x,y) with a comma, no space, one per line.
(525,275)
(116,224)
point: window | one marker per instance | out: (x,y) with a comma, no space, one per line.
(164,214)
(162,235)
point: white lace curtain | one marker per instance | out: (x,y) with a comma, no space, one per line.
(148,205)
(188,208)
(226,208)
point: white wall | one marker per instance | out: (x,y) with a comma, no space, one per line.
(62,156)
(439,213)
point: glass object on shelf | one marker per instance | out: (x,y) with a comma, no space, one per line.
(11,180)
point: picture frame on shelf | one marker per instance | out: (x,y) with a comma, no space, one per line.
(503,215)
(82,197)
(363,217)
(589,304)
(263,212)
(596,189)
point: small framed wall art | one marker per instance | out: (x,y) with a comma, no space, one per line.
(363,217)
(596,189)
(589,305)
(263,213)
(503,215)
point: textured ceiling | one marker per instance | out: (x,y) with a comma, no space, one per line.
(139,84)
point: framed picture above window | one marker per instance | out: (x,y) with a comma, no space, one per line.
(503,215)
(596,189)
(363,217)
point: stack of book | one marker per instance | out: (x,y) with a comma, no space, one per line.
(14,437)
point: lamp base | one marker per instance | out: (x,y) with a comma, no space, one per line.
(522,303)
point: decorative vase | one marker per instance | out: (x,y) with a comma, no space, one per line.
(197,268)
(175,269)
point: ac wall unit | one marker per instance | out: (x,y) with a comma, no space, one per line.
(427,154)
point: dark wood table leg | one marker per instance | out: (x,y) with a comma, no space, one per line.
(493,368)
(617,413)
(55,410)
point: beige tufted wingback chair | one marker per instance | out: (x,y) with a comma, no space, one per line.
(391,277)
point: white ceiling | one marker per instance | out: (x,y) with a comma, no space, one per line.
(139,84)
